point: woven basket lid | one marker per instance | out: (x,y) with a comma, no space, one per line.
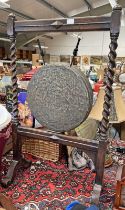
(60,97)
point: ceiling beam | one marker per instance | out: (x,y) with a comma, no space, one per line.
(23,40)
(50,6)
(9,10)
(27,40)
(102,10)
(47,36)
(88,4)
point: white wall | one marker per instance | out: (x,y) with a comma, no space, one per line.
(93,43)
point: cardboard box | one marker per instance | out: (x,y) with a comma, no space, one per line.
(35,59)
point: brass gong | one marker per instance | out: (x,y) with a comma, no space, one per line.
(60,97)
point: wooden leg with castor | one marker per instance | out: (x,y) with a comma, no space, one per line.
(99,171)
(18,161)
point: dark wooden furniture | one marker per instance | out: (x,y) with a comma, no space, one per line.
(25,54)
(2,52)
(96,150)
(2,98)
(120,189)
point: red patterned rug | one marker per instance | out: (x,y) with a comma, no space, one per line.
(52,187)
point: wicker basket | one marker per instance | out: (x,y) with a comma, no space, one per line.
(42,149)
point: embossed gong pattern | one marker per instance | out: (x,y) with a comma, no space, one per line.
(60,97)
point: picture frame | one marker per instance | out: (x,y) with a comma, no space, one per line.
(105,59)
(85,60)
(54,59)
(96,60)
(65,58)
(76,60)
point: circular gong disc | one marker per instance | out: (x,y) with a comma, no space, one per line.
(60,97)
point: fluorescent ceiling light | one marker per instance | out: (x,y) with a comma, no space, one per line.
(4,1)
(3,4)
(41,46)
(113,3)
(123,21)
(123,18)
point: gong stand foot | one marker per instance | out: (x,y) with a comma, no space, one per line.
(14,167)
(96,193)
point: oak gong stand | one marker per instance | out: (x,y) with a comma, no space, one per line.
(95,149)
